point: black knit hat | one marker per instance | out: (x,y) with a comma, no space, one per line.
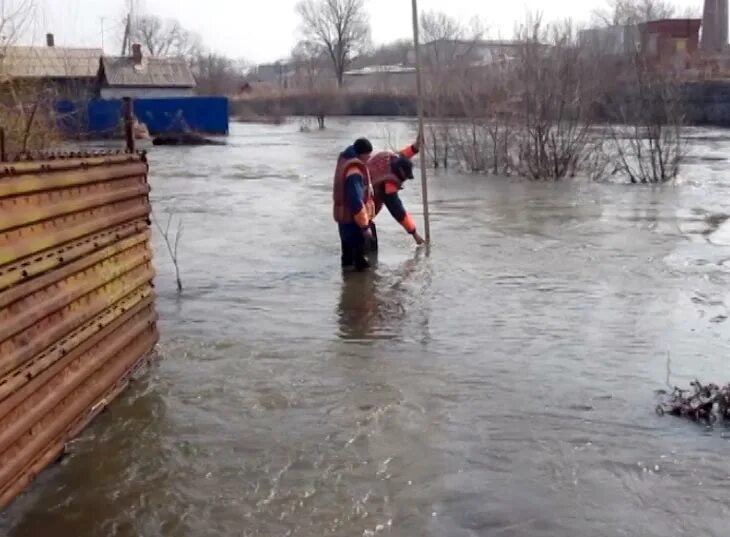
(363,146)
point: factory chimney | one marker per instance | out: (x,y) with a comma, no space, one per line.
(715,25)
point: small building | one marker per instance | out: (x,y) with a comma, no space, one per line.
(65,72)
(611,41)
(138,76)
(272,74)
(670,42)
(467,52)
(381,79)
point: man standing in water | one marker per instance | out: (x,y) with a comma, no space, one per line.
(353,203)
(361,187)
(388,172)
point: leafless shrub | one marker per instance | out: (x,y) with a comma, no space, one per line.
(647,138)
(172,242)
(556,91)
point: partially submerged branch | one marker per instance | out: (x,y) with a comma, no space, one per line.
(172,242)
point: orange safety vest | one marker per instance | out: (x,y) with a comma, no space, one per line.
(341,210)
(381,173)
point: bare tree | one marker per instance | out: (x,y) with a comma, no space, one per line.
(556,92)
(340,27)
(309,62)
(629,12)
(162,37)
(448,54)
(647,133)
(15,18)
(27,113)
(218,75)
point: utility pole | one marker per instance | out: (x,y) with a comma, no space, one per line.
(422,134)
(102,33)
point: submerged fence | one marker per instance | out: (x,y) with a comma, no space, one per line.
(104,118)
(77,314)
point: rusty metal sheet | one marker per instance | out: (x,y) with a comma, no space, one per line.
(25,269)
(26,241)
(29,209)
(76,299)
(14,185)
(79,400)
(54,162)
(33,307)
(13,387)
(32,285)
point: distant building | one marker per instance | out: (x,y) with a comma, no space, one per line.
(469,52)
(68,72)
(383,78)
(671,42)
(611,41)
(138,76)
(271,74)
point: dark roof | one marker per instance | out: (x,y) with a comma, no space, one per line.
(152,72)
(49,62)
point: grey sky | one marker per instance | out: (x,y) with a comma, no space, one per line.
(265,30)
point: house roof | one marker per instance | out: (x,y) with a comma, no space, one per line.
(475,42)
(381,69)
(152,72)
(49,62)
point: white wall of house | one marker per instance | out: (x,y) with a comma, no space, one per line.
(149,93)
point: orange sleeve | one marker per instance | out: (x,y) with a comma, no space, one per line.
(408,152)
(391,187)
(352,170)
(408,223)
(362,219)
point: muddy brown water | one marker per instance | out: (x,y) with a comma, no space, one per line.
(500,384)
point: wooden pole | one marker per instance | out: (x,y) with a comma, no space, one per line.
(419,89)
(129,124)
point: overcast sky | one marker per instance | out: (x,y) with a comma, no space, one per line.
(266,30)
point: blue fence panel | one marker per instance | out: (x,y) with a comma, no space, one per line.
(104,117)
(101,118)
(207,115)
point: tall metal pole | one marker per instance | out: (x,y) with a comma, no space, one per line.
(419,89)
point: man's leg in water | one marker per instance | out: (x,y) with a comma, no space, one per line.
(353,248)
(374,242)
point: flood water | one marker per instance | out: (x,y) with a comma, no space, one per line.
(500,384)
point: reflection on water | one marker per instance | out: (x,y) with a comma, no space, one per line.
(500,384)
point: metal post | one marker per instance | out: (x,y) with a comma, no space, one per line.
(129,124)
(419,87)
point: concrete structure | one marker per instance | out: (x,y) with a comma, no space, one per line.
(670,42)
(382,79)
(137,76)
(611,41)
(715,26)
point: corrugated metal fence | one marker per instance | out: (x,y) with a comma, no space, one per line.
(77,312)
